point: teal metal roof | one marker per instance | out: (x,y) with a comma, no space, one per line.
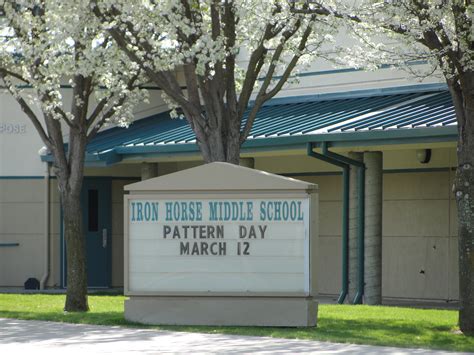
(418,116)
(355,114)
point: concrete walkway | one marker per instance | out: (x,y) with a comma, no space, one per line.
(35,337)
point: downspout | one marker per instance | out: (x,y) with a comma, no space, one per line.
(361,236)
(44,278)
(345,217)
(360,217)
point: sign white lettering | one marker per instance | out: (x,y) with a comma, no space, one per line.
(218,245)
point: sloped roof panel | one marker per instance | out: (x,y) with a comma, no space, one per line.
(389,112)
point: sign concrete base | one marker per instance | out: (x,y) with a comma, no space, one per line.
(231,311)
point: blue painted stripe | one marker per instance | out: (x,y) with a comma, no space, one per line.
(321,173)
(19,177)
(345,70)
(54,177)
(9,245)
(113,177)
(420,170)
(385,171)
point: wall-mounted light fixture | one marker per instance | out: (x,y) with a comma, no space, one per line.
(423,155)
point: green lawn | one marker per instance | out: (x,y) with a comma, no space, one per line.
(393,326)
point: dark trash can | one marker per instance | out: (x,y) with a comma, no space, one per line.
(32,284)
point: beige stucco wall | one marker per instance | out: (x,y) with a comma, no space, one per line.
(419,235)
(418,251)
(55,235)
(419,228)
(419,224)
(22,220)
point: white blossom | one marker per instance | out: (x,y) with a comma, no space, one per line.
(174,40)
(49,44)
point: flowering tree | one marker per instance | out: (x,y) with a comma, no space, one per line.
(440,32)
(199,41)
(46,45)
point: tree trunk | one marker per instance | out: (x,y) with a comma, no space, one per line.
(219,145)
(233,142)
(76,297)
(464,192)
(70,173)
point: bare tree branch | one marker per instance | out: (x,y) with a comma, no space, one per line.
(29,112)
(263,95)
(99,108)
(14,75)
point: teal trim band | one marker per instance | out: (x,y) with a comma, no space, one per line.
(345,139)
(18,177)
(346,70)
(387,171)
(54,177)
(322,173)
(171,148)
(421,170)
(142,156)
(131,178)
(99,160)
(9,245)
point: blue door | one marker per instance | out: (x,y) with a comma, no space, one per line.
(96,206)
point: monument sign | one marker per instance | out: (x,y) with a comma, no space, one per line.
(221,245)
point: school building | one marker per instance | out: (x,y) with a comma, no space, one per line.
(343,111)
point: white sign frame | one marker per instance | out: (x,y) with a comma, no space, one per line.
(221,196)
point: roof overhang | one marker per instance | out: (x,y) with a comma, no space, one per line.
(384,119)
(278,144)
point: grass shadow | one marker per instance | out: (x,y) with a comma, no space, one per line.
(344,324)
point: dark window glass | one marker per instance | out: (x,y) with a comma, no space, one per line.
(93,211)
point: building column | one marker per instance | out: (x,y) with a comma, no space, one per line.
(247,162)
(353,227)
(149,170)
(373,227)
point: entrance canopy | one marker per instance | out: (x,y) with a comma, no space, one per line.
(347,119)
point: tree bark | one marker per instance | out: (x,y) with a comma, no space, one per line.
(464,187)
(218,144)
(70,173)
(76,296)
(463,98)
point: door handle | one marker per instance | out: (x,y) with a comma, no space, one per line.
(104,238)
